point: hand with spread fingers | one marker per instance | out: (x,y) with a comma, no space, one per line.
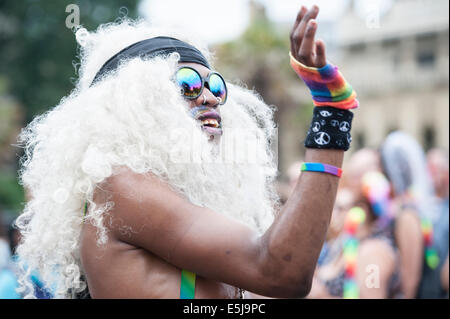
(327,85)
(332,95)
(304,47)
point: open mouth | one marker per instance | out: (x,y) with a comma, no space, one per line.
(211,122)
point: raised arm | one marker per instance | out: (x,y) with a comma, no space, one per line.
(278,263)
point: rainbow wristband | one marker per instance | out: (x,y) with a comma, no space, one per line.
(321,168)
(327,85)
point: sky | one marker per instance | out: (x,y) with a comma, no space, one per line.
(217,21)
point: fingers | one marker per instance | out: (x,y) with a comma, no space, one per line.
(300,27)
(311,14)
(300,15)
(307,48)
(303,45)
(320,59)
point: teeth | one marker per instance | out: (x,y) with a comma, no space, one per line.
(212,122)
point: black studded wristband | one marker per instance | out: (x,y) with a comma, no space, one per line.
(330,129)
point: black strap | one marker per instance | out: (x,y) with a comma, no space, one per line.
(330,129)
(151,48)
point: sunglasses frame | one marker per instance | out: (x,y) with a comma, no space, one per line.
(203,83)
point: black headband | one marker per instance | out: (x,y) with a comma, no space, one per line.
(151,48)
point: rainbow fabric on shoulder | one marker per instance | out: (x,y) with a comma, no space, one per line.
(327,85)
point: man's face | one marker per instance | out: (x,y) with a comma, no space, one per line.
(205,107)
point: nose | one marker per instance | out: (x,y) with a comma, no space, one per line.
(207,99)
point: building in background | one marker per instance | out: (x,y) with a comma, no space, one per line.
(398,63)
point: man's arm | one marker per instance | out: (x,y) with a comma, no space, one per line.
(291,246)
(147,213)
(280,263)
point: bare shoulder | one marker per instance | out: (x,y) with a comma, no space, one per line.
(408,217)
(377,251)
(142,204)
(127,186)
(407,225)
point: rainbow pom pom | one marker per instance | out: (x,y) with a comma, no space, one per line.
(355,217)
(376,189)
(351,246)
(431,258)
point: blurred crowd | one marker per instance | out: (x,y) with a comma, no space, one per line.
(388,236)
(9,266)
(389,232)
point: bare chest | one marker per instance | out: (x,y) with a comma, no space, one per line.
(119,270)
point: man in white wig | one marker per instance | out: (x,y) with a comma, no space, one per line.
(123,203)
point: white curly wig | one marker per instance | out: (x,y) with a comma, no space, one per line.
(134,118)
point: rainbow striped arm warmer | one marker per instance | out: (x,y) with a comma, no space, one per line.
(327,85)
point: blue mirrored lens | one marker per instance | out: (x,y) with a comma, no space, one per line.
(190,82)
(217,86)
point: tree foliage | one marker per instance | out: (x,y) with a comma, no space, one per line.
(37,57)
(38,50)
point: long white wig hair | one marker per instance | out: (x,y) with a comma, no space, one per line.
(134,118)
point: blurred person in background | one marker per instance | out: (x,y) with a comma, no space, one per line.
(8,269)
(5,254)
(421,230)
(351,252)
(10,274)
(438,166)
(444,277)
(361,162)
(343,203)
